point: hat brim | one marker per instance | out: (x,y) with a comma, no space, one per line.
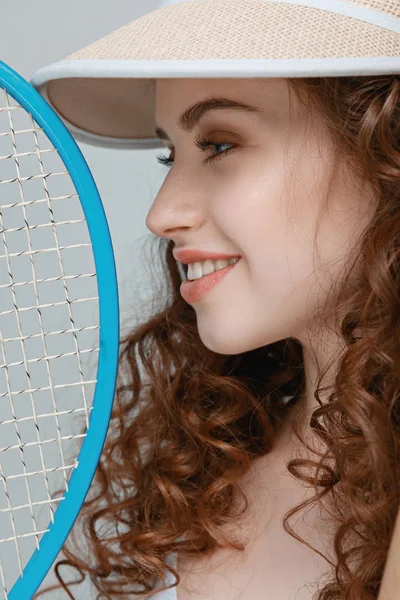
(105,92)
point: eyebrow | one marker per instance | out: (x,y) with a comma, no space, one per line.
(192,115)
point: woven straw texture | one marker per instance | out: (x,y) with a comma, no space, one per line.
(246,29)
(390,7)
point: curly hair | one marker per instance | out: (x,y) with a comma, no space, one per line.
(187,422)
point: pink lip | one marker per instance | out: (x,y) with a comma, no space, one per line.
(193,291)
(189,256)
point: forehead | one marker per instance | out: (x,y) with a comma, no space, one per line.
(269,95)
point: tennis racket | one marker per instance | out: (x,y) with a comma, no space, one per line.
(59,334)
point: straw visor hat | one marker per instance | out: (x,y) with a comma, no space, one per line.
(105,92)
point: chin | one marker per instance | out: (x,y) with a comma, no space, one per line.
(225,344)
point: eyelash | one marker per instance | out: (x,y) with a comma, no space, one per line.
(203,144)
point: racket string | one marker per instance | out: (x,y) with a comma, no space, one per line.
(36,449)
(39,200)
(6,367)
(42,442)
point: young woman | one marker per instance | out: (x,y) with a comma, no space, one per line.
(265,387)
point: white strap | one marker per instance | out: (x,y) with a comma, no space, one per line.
(340,7)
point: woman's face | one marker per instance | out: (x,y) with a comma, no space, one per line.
(260,201)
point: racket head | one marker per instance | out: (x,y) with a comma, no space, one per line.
(79,483)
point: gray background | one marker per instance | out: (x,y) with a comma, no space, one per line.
(36,33)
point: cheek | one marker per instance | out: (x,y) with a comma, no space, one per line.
(268,208)
(274,260)
(250,197)
(251,209)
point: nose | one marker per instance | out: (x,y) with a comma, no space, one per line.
(176,207)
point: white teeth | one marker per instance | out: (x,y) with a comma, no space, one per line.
(206,267)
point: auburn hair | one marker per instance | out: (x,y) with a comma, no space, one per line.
(187,422)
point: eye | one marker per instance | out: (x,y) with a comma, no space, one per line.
(203,144)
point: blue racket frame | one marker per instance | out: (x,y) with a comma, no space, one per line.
(52,541)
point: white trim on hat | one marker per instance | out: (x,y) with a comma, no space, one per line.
(256,67)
